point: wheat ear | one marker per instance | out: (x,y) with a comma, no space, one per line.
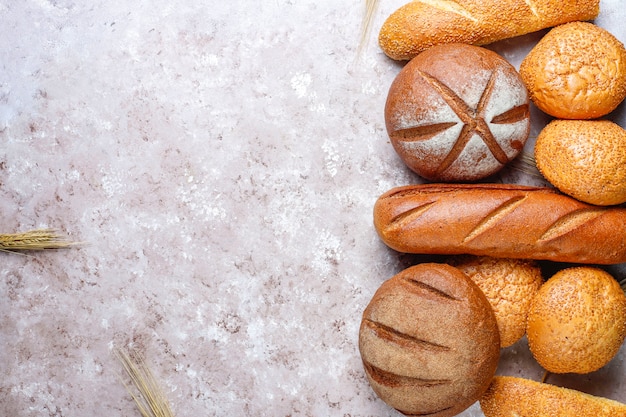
(33,240)
(526,163)
(148,396)
(366,25)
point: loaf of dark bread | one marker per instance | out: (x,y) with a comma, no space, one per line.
(457,113)
(499,220)
(429,341)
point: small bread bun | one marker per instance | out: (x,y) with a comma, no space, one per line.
(511,396)
(576,71)
(429,341)
(577,321)
(457,112)
(585,159)
(509,285)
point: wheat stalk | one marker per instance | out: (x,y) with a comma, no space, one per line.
(526,164)
(366,25)
(34,240)
(150,400)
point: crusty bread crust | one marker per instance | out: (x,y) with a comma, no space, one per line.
(512,396)
(421,24)
(577,321)
(576,71)
(499,220)
(510,286)
(457,112)
(429,341)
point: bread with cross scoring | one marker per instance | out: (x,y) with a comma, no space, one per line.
(457,113)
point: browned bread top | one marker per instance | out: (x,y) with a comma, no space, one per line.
(500,220)
(512,396)
(429,341)
(457,112)
(510,286)
(585,159)
(577,320)
(576,71)
(421,24)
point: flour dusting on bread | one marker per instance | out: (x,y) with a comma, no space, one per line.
(457,113)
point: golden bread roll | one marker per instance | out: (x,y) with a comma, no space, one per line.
(421,24)
(509,285)
(457,113)
(429,341)
(585,159)
(509,396)
(500,220)
(576,71)
(577,321)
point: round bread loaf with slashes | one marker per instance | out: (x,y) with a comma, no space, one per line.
(457,113)
(429,341)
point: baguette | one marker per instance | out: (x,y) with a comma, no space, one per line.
(421,24)
(502,221)
(512,396)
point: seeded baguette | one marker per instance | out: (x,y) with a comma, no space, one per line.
(421,24)
(499,220)
(513,396)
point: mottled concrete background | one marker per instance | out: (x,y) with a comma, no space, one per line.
(221,160)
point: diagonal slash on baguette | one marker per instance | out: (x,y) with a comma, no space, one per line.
(455,7)
(492,218)
(407,217)
(531,7)
(570,222)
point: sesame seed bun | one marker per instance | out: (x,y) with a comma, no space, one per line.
(577,321)
(576,71)
(585,159)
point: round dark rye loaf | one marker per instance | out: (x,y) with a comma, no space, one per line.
(429,341)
